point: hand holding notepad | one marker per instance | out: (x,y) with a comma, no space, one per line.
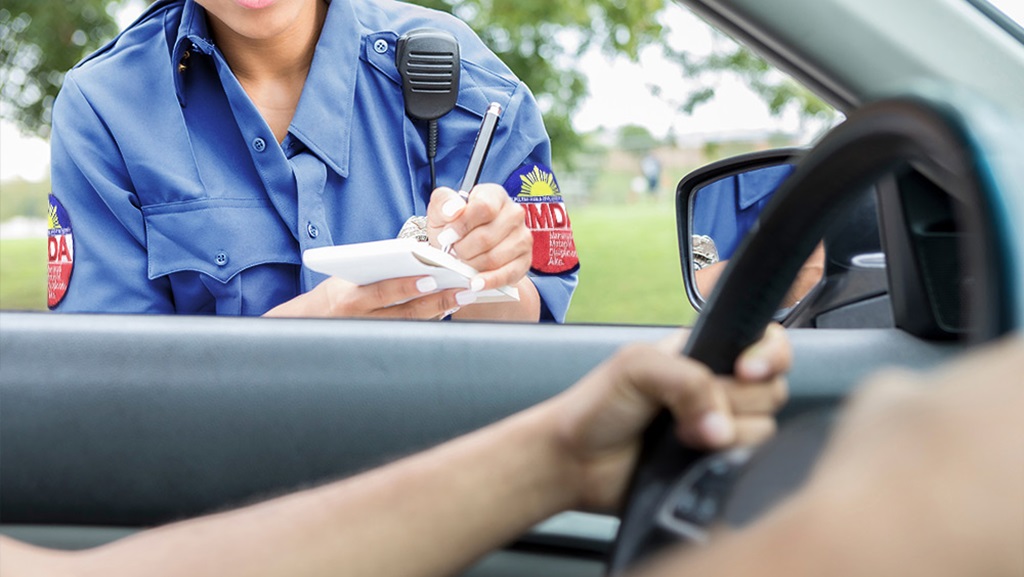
(370,262)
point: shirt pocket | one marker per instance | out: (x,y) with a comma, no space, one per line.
(216,237)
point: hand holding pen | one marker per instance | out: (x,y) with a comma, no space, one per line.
(487,229)
(481,146)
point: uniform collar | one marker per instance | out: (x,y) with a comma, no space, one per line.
(323,118)
(192,35)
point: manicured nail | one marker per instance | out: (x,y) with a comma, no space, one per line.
(452,206)
(426,284)
(477,284)
(450,312)
(448,237)
(465,298)
(716,429)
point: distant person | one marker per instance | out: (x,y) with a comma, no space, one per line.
(650,166)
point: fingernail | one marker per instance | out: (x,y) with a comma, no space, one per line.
(465,298)
(426,284)
(450,312)
(477,284)
(716,429)
(448,237)
(756,368)
(452,206)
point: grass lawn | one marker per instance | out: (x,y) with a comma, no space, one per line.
(629,266)
(23,274)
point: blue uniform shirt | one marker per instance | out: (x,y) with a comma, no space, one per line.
(181,200)
(726,209)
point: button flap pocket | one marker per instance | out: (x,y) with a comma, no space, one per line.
(217,237)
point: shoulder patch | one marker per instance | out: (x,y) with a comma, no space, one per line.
(534,187)
(60,253)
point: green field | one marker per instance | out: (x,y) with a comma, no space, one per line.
(629,267)
(23,274)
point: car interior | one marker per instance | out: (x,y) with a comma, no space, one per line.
(112,423)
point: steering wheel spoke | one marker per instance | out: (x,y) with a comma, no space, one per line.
(697,501)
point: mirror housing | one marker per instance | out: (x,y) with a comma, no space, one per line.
(718,204)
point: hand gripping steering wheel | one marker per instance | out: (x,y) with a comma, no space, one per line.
(676,493)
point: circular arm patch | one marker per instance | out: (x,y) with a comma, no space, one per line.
(60,253)
(534,187)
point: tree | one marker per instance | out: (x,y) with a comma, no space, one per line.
(39,41)
(636,139)
(540,40)
(779,92)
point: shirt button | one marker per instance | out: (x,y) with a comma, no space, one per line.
(312,230)
(380,46)
(259,144)
(221,259)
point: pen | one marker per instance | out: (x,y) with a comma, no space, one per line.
(476,158)
(480,148)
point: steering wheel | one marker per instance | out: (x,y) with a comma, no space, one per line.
(677,493)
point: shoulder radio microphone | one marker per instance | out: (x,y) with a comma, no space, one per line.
(429,63)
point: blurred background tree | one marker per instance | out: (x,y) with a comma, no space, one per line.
(779,92)
(39,41)
(636,139)
(540,40)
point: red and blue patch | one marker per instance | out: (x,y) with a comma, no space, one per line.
(60,253)
(534,187)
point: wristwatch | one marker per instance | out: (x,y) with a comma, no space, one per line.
(415,227)
(705,252)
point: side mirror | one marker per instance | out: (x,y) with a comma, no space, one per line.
(718,205)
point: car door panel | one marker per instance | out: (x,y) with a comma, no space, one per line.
(135,421)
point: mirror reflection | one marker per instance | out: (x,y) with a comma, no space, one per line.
(722,214)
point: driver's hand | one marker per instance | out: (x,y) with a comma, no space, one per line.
(402,298)
(601,419)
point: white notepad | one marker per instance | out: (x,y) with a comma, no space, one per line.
(370,262)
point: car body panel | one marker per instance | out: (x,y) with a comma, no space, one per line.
(134,421)
(853,51)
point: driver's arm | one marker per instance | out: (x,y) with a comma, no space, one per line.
(437,512)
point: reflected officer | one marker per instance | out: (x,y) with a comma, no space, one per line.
(727,208)
(198,154)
